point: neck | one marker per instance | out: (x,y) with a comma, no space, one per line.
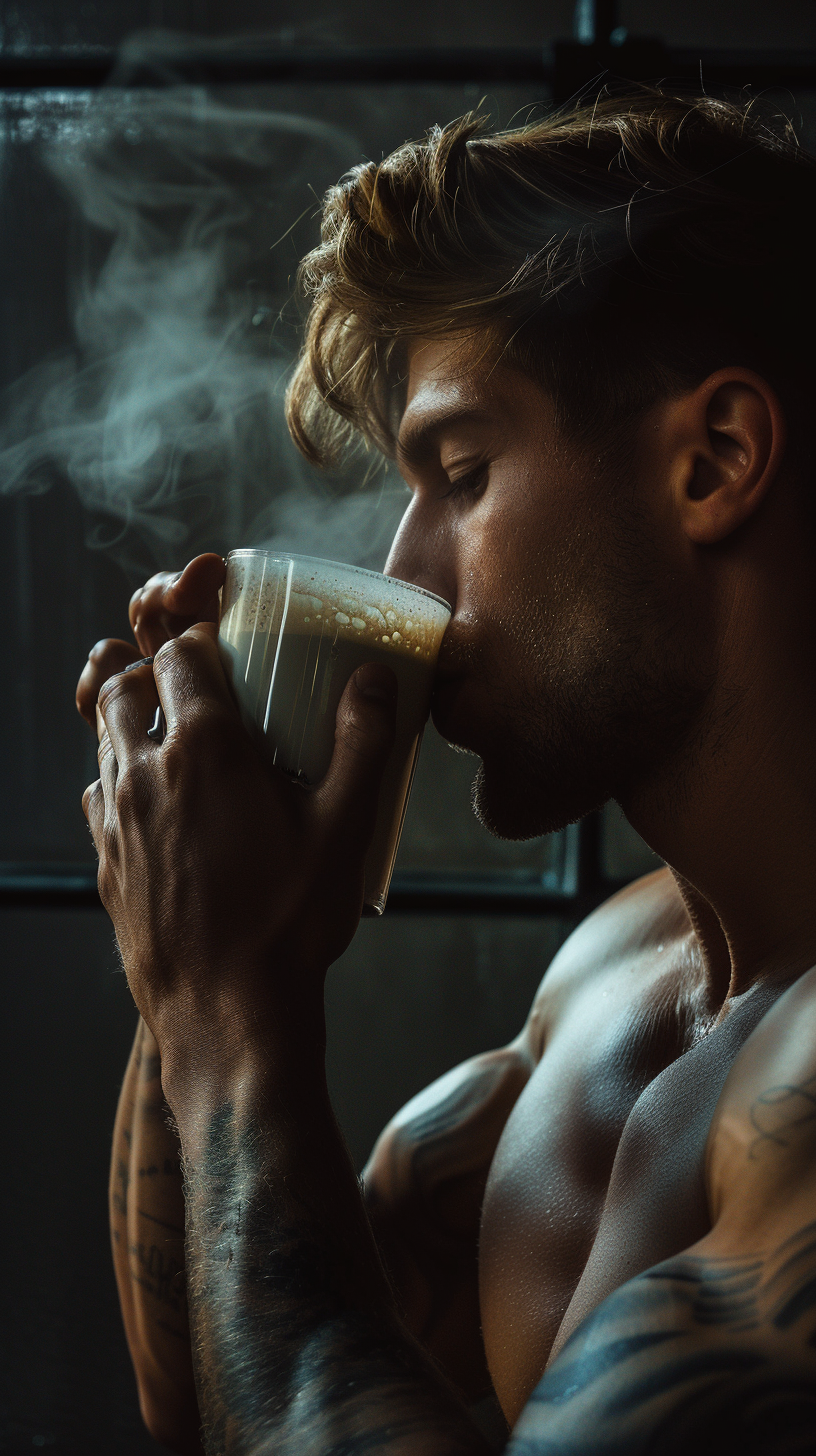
(734,813)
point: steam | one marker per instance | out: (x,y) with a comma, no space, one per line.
(166,414)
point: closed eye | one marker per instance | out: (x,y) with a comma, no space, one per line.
(471,484)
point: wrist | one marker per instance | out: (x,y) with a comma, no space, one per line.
(253,1052)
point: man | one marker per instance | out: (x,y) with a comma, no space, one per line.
(588,345)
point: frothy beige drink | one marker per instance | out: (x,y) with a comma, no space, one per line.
(293,630)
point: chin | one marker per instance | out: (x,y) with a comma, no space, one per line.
(513,802)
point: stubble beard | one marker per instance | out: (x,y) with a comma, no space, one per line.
(588,717)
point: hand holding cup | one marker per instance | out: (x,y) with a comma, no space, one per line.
(162,609)
(230,889)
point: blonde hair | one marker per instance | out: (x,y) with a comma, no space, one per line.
(613,251)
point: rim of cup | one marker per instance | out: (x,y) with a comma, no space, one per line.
(344,566)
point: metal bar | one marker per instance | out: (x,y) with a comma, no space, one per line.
(443,899)
(87,70)
(74,887)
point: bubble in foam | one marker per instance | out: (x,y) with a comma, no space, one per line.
(345,607)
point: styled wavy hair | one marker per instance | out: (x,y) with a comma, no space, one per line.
(617,253)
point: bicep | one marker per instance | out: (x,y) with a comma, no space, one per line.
(424,1186)
(445,1137)
(700,1354)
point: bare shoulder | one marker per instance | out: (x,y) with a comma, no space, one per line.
(761,1156)
(456,1122)
(637,930)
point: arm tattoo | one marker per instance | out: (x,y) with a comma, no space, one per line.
(298,1352)
(710,1356)
(120,1189)
(159,1274)
(780,1113)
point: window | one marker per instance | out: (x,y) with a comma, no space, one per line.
(148,236)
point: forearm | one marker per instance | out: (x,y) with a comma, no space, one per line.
(298,1343)
(147,1231)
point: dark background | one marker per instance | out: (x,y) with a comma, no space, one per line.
(416,992)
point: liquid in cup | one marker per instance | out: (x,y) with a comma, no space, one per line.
(293,630)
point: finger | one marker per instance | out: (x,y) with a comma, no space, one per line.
(364,737)
(147,613)
(101,729)
(194,593)
(128,705)
(190,677)
(172,601)
(104,660)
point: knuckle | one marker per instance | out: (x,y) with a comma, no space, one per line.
(111,689)
(356,738)
(134,789)
(176,650)
(367,731)
(105,661)
(92,800)
(160,580)
(198,734)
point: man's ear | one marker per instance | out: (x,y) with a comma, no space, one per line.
(735,437)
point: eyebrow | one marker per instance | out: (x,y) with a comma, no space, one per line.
(416,441)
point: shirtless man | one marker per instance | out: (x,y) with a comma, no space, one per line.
(610,1223)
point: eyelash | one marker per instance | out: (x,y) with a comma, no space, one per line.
(467,484)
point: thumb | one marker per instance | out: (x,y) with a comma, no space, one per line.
(364,737)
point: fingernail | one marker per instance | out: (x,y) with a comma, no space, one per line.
(143,662)
(376,682)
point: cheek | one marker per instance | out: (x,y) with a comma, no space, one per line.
(500,548)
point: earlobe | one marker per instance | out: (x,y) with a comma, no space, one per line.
(738,433)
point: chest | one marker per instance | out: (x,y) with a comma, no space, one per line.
(598,1175)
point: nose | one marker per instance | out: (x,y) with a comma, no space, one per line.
(421,552)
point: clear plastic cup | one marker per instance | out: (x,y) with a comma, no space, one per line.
(293,630)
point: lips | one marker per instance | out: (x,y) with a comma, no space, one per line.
(456,708)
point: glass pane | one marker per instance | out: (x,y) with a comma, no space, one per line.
(442,833)
(149,242)
(415,995)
